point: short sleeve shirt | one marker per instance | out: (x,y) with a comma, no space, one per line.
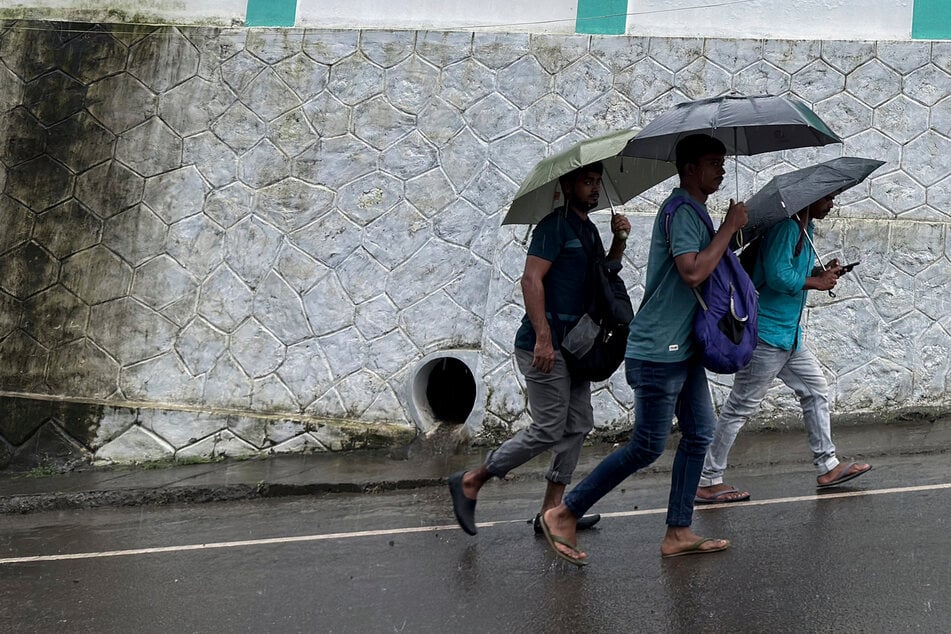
(556,239)
(662,329)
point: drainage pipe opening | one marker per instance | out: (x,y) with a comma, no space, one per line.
(451,391)
(445,390)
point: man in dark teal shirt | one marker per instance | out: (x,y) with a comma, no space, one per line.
(553,285)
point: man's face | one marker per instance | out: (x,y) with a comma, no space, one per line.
(710,172)
(821,208)
(585,191)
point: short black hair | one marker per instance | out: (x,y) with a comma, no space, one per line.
(571,176)
(691,148)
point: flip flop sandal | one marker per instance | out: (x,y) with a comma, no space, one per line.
(553,539)
(584,523)
(715,499)
(695,548)
(847,474)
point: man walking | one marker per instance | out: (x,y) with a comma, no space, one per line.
(554,289)
(784,274)
(662,364)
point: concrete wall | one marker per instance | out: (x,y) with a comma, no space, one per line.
(274,231)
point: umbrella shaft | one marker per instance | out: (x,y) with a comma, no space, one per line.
(805,232)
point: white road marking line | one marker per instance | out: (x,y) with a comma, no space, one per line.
(445,527)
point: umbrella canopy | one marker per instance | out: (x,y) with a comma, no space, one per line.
(787,194)
(624,177)
(745,125)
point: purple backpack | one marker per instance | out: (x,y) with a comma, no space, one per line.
(725,325)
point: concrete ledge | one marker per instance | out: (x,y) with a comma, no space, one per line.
(415,466)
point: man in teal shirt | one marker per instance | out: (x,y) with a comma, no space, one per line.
(663,366)
(784,273)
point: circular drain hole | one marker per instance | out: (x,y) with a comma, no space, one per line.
(449,389)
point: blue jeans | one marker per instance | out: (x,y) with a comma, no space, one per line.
(661,390)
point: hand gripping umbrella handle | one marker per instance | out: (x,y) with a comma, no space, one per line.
(621,235)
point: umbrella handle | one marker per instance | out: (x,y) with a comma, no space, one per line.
(621,235)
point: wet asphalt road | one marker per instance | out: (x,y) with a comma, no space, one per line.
(872,557)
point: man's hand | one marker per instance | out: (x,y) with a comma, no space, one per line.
(619,222)
(544,359)
(695,268)
(833,265)
(736,217)
(826,280)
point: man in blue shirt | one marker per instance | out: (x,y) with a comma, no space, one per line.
(783,273)
(554,287)
(663,366)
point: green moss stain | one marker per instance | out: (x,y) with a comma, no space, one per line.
(271,13)
(931,20)
(607,17)
(20,418)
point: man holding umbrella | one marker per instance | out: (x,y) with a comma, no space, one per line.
(662,363)
(784,273)
(554,289)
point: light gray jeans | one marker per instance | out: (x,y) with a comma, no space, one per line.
(799,369)
(561,418)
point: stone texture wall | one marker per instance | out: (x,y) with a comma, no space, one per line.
(278,226)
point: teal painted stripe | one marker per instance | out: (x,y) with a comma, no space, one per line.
(271,13)
(931,20)
(608,17)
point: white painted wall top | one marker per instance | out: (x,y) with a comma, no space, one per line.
(549,16)
(739,19)
(777,19)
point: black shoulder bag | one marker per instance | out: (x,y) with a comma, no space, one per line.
(594,348)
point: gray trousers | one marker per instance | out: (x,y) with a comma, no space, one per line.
(561,418)
(800,370)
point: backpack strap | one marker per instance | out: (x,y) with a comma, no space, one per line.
(671,208)
(668,212)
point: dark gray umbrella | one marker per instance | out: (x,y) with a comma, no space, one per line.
(745,125)
(787,194)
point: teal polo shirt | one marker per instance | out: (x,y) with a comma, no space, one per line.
(662,329)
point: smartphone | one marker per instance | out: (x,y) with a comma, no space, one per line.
(848,267)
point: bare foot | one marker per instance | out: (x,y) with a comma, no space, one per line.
(680,540)
(717,493)
(559,523)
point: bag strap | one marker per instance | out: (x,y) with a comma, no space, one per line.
(595,255)
(591,255)
(668,212)
(671,208)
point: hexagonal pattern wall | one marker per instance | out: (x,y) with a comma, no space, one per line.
(283,223)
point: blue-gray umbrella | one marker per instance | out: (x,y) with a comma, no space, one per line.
(745,125)
(789,193)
